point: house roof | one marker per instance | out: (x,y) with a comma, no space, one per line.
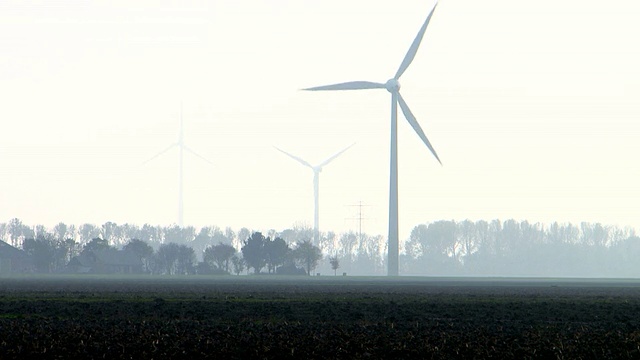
(82,260)
(110,256)
(9,252)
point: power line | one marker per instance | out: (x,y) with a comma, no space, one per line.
(359,217)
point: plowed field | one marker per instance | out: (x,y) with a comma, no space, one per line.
(317,318)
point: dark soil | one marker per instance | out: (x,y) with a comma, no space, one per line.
(317,318)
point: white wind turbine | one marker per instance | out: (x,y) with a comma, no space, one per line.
(181,147)
(316,185)
(393,86)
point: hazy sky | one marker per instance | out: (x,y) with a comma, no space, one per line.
(533,107)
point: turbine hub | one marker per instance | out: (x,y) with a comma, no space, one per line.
(392,85)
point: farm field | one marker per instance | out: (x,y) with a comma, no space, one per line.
(317,317)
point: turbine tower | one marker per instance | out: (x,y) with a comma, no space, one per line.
(393,86)
(181,147)
(316,185)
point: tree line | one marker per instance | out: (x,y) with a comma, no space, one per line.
(54,252)
(520,248)
(446,247)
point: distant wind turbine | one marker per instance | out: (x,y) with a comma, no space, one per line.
(316,185)
(393,86)
(181,147)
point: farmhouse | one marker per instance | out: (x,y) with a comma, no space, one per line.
(106,261)
(14,260)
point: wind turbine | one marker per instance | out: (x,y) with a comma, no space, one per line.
(181,147)
(316,184)
(393,86)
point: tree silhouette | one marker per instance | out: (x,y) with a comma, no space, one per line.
(308,255)
(276,252)
(42,251)
(65,251)
(335,264)
(88,232)
(60,231)
(238,264)
(186,260)
(108,231)
(219,256)
(48,253)
(172,259)
(95,244)
(15,231)
(253,251)
(143,250)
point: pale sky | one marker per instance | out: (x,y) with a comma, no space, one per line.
(533,107)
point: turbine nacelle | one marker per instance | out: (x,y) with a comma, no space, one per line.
(392,85)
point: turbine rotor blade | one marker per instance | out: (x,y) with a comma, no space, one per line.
(334,156)
(160,153)
(414,124)
(295,158)
(351,85)
(196,154)
(408,58)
